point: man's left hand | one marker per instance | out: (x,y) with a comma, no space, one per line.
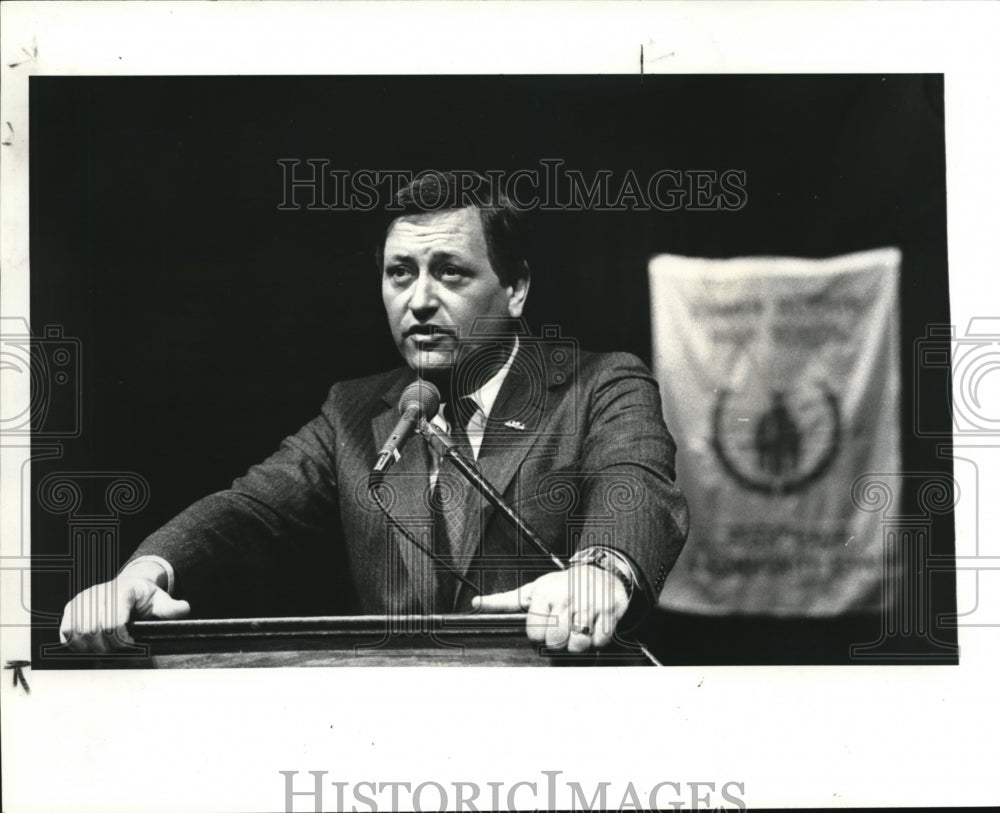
(575,609)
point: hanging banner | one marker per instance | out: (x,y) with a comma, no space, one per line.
(780,383)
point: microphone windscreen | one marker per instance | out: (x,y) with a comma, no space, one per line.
(425,395)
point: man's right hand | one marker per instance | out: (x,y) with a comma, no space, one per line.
(94,620)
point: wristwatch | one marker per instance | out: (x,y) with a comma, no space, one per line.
(611,561)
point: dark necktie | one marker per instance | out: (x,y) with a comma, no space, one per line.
(450,504)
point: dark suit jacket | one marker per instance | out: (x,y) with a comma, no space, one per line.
(575,442)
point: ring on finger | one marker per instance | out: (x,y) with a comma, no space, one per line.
(579,629)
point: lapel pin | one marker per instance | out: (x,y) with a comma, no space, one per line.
(515,425)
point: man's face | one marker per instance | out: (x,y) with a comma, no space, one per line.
(436,281)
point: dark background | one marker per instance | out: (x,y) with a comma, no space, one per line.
(212,324)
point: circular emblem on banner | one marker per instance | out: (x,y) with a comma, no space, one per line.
(777,441)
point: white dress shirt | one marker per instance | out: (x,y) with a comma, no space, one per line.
(484,398)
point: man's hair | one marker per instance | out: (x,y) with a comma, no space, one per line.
(503,223)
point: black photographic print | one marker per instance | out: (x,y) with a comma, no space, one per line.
(218,274)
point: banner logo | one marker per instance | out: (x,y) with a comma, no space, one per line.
(777,442)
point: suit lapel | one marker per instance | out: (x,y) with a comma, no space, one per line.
(517,420)
(515,423)
(407,483)
(505,443)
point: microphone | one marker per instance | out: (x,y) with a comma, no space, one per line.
(420,400)
(418,404)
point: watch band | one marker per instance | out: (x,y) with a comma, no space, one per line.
(610,560)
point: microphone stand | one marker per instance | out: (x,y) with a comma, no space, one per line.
(446,447)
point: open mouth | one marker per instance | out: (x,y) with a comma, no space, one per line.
(429,333)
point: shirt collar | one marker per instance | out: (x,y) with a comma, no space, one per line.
(485,397)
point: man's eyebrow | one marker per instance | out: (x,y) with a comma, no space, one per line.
(400,256)
(447,255)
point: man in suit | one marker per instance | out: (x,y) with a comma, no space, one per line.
(574,441)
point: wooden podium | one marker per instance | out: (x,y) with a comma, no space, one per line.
(408,640)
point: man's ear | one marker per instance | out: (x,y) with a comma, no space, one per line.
(518,292)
